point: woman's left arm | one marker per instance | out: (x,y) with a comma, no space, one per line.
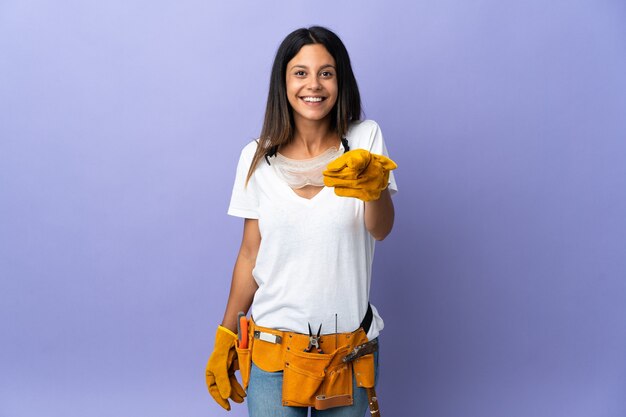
(379,215)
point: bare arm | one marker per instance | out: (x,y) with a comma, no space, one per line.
(243,286)
(379,215)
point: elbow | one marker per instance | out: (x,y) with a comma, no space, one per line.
(381,230)
(380,235)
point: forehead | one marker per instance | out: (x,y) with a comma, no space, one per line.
(314,55)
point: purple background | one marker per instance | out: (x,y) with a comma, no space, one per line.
(503,285)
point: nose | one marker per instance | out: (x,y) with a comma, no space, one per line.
(315,84)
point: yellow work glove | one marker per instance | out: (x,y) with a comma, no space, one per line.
(360,174)
(220,370)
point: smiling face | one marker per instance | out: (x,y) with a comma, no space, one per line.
(311,83)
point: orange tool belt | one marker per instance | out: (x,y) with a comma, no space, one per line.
(310,379)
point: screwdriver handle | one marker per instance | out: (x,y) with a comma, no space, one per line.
(242,330)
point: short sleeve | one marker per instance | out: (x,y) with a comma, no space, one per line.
(377,146)
(244,201)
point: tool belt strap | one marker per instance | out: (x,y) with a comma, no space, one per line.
(367,320)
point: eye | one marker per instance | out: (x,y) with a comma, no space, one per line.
(300,73)
(327,74)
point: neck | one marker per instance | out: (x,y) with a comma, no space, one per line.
(313,137)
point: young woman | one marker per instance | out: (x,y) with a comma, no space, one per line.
(315,193)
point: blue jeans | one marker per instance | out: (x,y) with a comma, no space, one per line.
(265,397)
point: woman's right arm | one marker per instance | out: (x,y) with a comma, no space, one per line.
(243,285)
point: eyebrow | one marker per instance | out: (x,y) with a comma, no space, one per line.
(305,67)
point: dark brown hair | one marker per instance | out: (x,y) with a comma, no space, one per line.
(278,126)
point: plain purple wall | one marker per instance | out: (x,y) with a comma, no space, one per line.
(503,285)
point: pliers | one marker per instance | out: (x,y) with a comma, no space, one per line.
(314,341)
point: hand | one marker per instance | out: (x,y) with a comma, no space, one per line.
(360,174)
(220,370)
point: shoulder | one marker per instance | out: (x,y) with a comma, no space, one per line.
(361,127)
(363,133)
(248,151)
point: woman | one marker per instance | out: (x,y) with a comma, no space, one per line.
(304,265)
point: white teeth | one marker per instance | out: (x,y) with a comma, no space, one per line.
(312,99)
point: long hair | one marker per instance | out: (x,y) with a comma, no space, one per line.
(278,125)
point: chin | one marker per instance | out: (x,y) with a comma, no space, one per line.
(316,116)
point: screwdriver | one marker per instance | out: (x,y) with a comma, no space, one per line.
(242,330)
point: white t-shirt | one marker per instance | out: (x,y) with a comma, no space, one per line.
(315,257)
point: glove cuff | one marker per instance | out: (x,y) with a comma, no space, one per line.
(227,331)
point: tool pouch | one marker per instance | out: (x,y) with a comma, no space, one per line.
(303,375)
(336,390)
(245,361)
(269,357)
(312,379)
(365,371)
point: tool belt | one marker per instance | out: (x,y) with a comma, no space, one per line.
(311,379)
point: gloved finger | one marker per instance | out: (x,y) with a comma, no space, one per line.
(223,382)
(375,176)
(379,163)
(356,159)
(361,194)
(232,360)
(365,181)
(384,180)
(374,181)
(345,173)
(353,165)
(210,379)
(375,167)
(385,162)
(329,181)
(339,182)
(237,393)
(215,393)
(218,369)
(337,165)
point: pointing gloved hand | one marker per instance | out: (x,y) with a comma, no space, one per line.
(220,370)
(360,174)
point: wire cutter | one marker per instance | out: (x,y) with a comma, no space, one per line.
(314,341)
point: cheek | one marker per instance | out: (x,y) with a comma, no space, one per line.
(292,101)
(291,85)
(291,92)
(333,89)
